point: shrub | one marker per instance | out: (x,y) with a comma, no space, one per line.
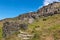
(44,19)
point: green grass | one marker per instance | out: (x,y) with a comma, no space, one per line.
(47,27)
(0,33)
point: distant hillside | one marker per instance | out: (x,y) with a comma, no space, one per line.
(42,25)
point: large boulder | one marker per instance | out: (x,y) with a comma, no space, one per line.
(10,28)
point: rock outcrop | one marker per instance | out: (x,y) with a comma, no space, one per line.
(10,28)
(49,10)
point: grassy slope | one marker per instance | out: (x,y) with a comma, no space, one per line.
(0,31)
(48,29)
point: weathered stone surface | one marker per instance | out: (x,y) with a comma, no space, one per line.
(10,28)
(23,26)
(50,9)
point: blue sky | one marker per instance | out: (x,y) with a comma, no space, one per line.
(12,8)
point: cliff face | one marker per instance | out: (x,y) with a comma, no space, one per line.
(52,8)
(49,10)
(21,22)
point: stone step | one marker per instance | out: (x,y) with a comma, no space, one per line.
(25,38)
(24,35)
(21,35)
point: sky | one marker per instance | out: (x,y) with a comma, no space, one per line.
(13,8)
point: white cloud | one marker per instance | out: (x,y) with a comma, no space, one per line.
(46,2)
